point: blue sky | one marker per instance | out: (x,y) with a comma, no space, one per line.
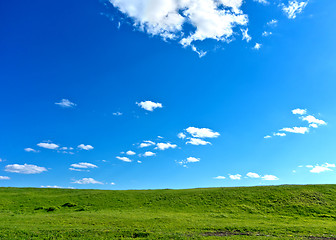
(83,84)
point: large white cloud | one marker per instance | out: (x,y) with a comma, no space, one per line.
(321,168)
(313,120)
(185,20)
(25,169)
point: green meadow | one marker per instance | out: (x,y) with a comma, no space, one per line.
(270,212)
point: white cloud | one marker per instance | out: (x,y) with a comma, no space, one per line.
(197,141)
(149,105)
(279,134)
(273,22)
(313,120)
(83,165)
(130,153)
(301,130)
(30,150)
(246,36)
(48,145)
(266,34)
(87,181)
(267,136)
(235,177)
(55,186)
(220,177)
(164,146)
(193,160)
(124,159)
(172,19)
(313,125)
(25,169)
(78,170)
(148,154)
(202,132)
(146,144)
(252,175)
(117,113)
(323,168)
(66,103)
(4,178)
(299,111)
(293,8)
(270,178)
(112,183)
(262,2)
(181,135)
(85,147)
(257,46)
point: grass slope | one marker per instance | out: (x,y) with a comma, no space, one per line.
(283,212)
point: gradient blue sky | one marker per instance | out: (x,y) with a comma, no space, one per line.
(100,59)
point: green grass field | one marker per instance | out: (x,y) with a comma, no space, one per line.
(277,212)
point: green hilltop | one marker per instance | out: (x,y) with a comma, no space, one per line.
(267,212)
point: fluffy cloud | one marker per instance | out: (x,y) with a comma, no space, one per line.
(185,20)
(235,177)
(164,146)
(323,168)
(202,132)
(146,144)
(4,178)
(148,154)
(293,8)
(299,111)
(193,160)
(124,159)
(52,146)
(301,130)
(130,153)
(85,147)
(252,175)
(87,181)
(66,103)
(270,178)
(25,169)
(312,120)
(220,177)
(83,165)
(30,150)
(149,105)
(197,141)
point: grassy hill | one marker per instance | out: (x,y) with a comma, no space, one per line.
(283,212)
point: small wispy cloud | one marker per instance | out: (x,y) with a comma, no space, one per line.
(293,8)
(83,165)
(197,141)
(164,146)
(117,113)
(148,154)
(202,132)
(146,144)
(87,181)
(130,153)
(245,34)
(220,177)
(257,46)
(124,159)
(66,103)
(30,150)
(4,178)
(48,145)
